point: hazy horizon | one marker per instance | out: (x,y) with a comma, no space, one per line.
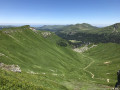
(39,25)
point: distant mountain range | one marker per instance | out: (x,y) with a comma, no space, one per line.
(91,34)
(77,28)
(84,27)
(6,26)
(67,28)
(52,28)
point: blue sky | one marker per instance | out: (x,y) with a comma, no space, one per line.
(95,12)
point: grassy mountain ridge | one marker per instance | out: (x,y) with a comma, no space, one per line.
(87,28)
(77,28)
(67,28)
(115,28)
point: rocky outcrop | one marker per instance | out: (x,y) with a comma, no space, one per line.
(83,49)
(115,27)
(32,28)
(46,34)
(1,54)
(13,68)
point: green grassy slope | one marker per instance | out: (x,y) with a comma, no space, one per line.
(106,59)
(44,64)
(17,81)
(26,47)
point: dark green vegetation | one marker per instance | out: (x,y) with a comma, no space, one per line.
(48,62)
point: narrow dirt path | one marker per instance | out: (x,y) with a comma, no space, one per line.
(89,65)
(85,69)
(92,61)
(92,75)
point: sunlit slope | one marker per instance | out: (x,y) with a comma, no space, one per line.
(106,59)
(38,53)
(32,51)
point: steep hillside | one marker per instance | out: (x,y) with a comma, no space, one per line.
(46,62)
(27,47)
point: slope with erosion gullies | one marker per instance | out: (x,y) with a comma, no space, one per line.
(106,62)
(25,45)
(43,62)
